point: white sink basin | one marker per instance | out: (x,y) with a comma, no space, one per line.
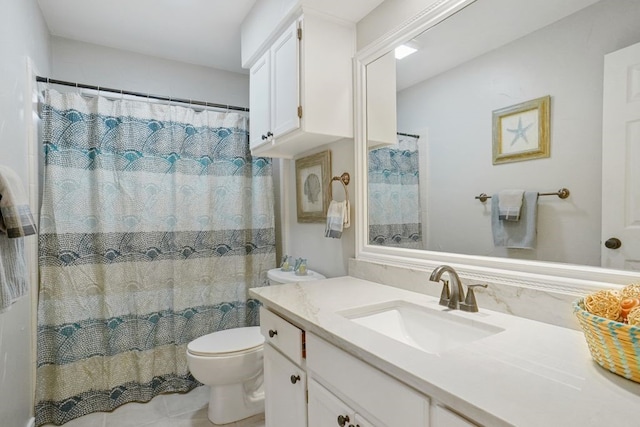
(430,330)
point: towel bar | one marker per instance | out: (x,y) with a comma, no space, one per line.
(563,193)
(345,178)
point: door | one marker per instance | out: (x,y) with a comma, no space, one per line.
(259,101)
(620,159)
(285,66)
(326,410)
(285,390)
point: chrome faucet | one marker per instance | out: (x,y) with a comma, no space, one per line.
(455,299)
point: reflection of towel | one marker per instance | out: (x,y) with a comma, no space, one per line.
(13,271)
(509,204)
(516,234)
(15,216)
(338,218)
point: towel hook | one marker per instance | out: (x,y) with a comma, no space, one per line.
(344,179)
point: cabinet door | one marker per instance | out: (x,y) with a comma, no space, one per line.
(260,101)
(326,410)
(447,418)
(285,386)
(361,422)
(285,66)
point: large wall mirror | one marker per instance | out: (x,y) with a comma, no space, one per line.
(426,143)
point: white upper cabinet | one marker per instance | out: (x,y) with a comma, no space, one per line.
(301,87)
(260,101)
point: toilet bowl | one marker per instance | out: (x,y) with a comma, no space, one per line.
(230,363)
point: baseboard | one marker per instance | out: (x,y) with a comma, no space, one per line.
(31,422)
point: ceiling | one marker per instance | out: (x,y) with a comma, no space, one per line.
(492,23)
(201,32)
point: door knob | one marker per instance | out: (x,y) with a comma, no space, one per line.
(613,243)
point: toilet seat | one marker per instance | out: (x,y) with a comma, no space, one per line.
(227,342)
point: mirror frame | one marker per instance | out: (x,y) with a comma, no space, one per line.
(566,278)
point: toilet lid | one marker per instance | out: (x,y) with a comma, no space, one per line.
(228,341)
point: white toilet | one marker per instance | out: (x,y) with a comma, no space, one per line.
(230,362)
(279,277)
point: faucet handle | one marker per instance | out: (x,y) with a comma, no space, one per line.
(470,303)
(445,295)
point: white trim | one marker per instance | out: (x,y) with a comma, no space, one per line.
(285,216)
(566,278)
(33,188)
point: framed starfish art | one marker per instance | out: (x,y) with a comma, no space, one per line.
(521,131)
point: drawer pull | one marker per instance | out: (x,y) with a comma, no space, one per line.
(295,379)
(343,420)
(272,333)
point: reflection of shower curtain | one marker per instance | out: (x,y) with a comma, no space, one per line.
(155,222)
(394,201)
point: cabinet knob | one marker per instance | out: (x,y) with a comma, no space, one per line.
(343,420)
(269,134)
(613,243)
(295,379)
(272,333)
(264,137)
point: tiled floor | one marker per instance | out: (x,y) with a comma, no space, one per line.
(167,410)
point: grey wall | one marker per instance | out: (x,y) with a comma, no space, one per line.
(98,65)
(23,34)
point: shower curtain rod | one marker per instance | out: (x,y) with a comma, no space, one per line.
(140,94)
(408,134)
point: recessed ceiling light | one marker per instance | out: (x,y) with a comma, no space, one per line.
(403,51)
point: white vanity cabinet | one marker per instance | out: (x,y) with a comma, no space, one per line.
(443,417)
(300,89)
(341,385)
(326,410)
(285,380)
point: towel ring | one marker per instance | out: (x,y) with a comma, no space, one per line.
(345,178)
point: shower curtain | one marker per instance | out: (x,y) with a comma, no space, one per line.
(394,195)
(155,221)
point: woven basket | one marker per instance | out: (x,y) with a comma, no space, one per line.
(614,345)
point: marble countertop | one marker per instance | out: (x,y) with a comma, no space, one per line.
(531,374)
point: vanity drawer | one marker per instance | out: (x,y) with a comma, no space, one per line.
(282,335)
(359,384)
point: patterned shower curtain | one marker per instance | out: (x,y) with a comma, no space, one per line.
(155,221)
(394,195)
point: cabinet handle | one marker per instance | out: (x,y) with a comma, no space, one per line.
(264,137)
(269,134)
(343,420)
(295,379)
(272,333)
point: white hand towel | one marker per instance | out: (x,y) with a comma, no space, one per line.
(13,271)
(338,218)
(510,204)
(15,216)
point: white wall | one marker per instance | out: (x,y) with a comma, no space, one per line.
(564,60)
(23,34)
(98,65)
(327,256)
